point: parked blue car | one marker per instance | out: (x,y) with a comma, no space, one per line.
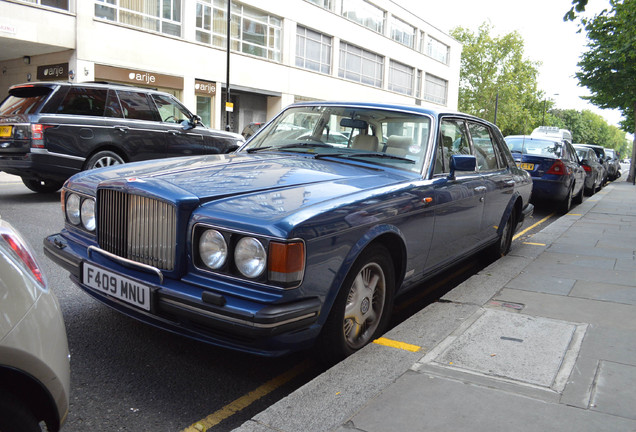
(292,241)
(557,175)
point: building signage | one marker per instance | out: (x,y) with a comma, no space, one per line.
(136,77)
(54,72)
(205,88)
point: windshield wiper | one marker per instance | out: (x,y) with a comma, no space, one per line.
(257,149)
(289,146)
(374,154)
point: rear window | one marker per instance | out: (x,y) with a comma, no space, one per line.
(535,147)
(24,100)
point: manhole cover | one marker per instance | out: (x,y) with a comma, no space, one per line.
(533,350)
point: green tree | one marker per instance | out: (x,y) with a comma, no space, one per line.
(608,68)
(494,73)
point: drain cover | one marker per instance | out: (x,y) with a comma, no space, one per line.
(513,346)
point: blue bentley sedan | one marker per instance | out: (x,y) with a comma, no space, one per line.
(295,239)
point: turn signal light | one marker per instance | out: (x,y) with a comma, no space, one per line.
(286,263)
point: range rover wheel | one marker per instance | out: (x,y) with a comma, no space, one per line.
(42,186)
(362,308)
(103,159)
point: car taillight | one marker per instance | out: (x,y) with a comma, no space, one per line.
(21,251)
(587,168)
(37,135)
(558,168)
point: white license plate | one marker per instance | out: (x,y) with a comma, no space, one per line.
(116,285)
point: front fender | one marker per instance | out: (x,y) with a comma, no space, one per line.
(387,234)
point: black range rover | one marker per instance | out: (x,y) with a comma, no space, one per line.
(50,131)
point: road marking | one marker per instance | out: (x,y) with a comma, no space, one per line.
(396,344)
(248,399)
(575,214)
(534,244)
(532,226)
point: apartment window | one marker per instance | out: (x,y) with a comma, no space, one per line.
(437,50)
(402,32)
(252,31)
(313,50)
(359,65)
(58,4)
(163,16)
(364,13)
(400,78)
(327,4)
(435,89)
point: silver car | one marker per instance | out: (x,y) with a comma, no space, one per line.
(34,355)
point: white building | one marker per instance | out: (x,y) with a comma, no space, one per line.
(282,51)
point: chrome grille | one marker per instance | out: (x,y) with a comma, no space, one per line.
(137,228)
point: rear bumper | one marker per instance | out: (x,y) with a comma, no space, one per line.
(202,314)
(553,190)
(41,164)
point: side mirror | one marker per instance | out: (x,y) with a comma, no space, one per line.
(462,163)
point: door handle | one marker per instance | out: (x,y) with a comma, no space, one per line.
(510,182)
(123,129)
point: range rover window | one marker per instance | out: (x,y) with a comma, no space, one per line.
(84,101)
(24,100)
(136,106)
(169,110)
(113,107)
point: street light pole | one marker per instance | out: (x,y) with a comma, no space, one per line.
(227,69)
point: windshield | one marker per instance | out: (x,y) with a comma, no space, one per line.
(377,136)
(535,147)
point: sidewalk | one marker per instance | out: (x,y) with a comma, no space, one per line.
(543,339)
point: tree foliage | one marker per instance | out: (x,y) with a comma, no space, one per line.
(493,68)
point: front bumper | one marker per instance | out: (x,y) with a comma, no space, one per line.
(268,329)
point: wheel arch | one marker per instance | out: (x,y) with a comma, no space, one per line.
(31,393)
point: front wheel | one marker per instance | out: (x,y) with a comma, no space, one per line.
(362,308)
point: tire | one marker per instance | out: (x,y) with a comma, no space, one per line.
(579,198)
(502,246)
(42,186)
(362,307)
(566,204)
(15,417)
(103,159)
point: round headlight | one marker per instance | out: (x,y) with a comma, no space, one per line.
(73,209)
(213,249)
(88,214)
(250,257)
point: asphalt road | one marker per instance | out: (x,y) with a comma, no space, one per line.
(129,376)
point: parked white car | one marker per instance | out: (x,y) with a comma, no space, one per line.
(34,355)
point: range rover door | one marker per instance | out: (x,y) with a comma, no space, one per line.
(182,138)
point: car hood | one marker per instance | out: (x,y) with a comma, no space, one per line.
(213,177)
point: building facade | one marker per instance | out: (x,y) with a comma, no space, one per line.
(281,51)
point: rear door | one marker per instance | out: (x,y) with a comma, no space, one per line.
(133,122)
(496,175)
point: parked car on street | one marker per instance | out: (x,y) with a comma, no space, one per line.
(34,355)
(613,163)
(594,170)
(293,242)
(251,128)
(52,130)
(554,166)
(602,158)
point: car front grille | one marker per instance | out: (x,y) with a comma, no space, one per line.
(137,228)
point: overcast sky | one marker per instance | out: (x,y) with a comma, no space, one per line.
(546,38)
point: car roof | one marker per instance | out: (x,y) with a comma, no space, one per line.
(416,109)
(535,138)
(92,84)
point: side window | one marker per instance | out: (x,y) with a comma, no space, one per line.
(453,140)
(135,105)
(485,150)
(169,110)
(84,101)
(113,107)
